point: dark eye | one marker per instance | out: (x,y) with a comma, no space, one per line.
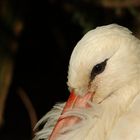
(97,69)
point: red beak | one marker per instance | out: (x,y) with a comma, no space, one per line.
(74,101)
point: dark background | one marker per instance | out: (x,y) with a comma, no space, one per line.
(50,31)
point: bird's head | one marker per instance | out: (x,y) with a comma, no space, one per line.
(104,60)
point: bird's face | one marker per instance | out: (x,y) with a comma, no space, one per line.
(104,60)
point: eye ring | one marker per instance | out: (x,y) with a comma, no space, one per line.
(97,69)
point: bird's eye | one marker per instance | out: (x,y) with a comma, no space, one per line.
(97,69)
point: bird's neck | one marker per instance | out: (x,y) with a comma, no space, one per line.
(117,105)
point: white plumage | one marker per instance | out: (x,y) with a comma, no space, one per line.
(114,112)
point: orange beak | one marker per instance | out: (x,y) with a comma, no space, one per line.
(74,101)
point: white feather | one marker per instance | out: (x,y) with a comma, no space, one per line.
(51,118)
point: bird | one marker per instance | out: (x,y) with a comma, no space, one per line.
(104,85)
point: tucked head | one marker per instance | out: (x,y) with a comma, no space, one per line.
(104,60)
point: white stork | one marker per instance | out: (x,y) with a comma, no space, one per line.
(104,81)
